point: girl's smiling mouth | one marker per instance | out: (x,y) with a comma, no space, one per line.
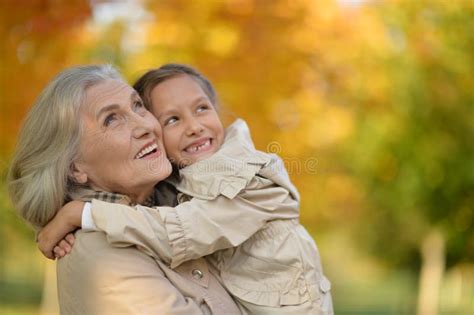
(201,145)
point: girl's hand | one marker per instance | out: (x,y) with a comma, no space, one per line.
(64,247)
(65,221)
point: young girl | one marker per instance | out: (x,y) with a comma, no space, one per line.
(236,204)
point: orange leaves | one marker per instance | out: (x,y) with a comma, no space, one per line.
(37,38)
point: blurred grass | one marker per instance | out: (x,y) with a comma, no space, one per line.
(20,293)
(19,310)
(394,295)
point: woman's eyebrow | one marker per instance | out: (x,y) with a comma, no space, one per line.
(133,96)
(107,109)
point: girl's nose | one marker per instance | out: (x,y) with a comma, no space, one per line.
(194,127)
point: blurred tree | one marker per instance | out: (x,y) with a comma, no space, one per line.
(37,37)
(370,105)
(384,87)
(414,156)
(285,68)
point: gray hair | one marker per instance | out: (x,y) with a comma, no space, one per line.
(40,179)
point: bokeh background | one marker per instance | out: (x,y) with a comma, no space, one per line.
(370,103)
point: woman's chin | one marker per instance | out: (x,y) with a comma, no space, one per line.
(159,168)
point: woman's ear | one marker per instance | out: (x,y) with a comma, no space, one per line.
(78,173)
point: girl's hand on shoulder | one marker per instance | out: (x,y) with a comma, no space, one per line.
(54,233)
(64,246)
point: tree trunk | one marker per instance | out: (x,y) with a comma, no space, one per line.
(431,274)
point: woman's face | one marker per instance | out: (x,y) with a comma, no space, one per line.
(121,148)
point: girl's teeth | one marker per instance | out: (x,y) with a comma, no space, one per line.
(199,147)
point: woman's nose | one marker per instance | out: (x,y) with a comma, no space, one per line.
(142,127)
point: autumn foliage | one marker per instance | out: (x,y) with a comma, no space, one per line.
(370,103)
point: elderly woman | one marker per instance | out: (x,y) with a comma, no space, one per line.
(89,135)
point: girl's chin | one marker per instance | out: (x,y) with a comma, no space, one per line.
(190,159)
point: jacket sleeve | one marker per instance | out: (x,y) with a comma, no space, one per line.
(201,227)
(98,279)
(138,226)
(195,228)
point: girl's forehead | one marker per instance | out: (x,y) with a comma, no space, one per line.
(176,90)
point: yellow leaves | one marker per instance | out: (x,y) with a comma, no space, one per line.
(300,71)
(303,40)
(334,126)
(345,196)
(286,115)
(241,7)
(322,124)
(221,40)
(169,33)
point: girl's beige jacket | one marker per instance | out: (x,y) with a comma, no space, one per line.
(240,208)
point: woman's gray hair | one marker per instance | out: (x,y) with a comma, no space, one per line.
(40,179)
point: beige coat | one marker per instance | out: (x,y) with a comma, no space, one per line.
(96,278)
(240,205)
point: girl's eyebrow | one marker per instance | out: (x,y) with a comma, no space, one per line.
(193,102)
(168,112)
(201,98)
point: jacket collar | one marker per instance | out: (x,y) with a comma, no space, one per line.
(87,194)
(227,171)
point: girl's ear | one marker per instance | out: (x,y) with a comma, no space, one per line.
(79,173)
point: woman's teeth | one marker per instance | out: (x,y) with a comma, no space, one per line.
(199,147)
(146,150)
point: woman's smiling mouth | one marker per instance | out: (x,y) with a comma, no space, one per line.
(148,151)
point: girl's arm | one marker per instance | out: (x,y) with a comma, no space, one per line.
(198,227)
(122,225)
(190,230)
(56,231)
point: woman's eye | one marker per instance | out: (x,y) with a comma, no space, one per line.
(139,105)
(109,119)
(171,120)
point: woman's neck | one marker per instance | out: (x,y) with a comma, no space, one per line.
(140,197)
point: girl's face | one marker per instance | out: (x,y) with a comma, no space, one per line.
(192,130)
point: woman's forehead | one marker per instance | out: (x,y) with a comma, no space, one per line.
(107,93)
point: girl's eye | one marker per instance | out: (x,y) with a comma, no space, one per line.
(171,120)
(109,119)
(202,108)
